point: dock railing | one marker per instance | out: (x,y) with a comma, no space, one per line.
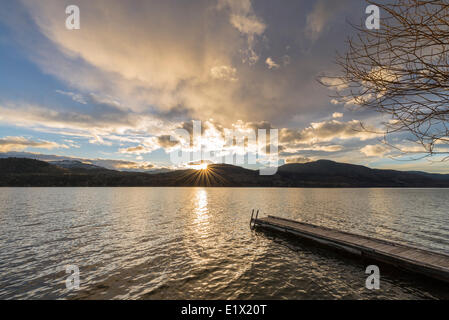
(252,222)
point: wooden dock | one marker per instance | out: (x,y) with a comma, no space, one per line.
(428,263)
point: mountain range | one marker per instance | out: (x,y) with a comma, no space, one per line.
(23,172)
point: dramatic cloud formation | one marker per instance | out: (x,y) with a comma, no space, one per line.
(136,71)
(167,56)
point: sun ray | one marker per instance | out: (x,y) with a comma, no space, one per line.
(208,177)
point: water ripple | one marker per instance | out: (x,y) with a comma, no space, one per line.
(195,243)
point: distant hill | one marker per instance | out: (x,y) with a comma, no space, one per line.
(75,165)
(80,163)
(23,172)
(330,173)
(22,166)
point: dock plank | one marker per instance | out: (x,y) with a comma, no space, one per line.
(426,262)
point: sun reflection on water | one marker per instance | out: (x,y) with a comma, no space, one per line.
(197,242)
(201,209)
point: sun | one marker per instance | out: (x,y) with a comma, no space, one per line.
(202,166)
(203,174)
(199,166)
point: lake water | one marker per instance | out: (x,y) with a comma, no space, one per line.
(195,243)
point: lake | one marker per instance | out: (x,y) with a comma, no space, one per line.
(195,243)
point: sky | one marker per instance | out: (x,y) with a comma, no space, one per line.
(135,72)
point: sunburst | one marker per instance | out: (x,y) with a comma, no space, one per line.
(203,175)
(202,166)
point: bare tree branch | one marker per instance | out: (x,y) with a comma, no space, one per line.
(401,70)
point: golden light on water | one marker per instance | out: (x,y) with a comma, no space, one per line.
(200,231)
(201,209)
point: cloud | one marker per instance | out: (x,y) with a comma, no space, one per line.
(136,150)
(29,114)
(248,24)
(151,144)
(8,144)
(321,16)
(139,134)
(132,166)
(164,58)
(334,83)
(297,160)
(327,131)
(71,143)
(92,98)
(106,100)
(141,69)
(264,125)
(170,51)
(408,147)
(317,149)
(242,17)
(336,115)
(325,148)
(335,101)
(375,150)
(271,64)
(224,73)
(97,124)
(382,76)
(166,142)
(75,97)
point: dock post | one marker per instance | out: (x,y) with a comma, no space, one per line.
(252,223)
(251,220)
